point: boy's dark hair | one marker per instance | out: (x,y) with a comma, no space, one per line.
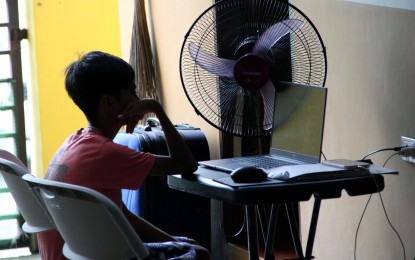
(94,75)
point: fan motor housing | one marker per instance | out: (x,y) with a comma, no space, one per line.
(251,72)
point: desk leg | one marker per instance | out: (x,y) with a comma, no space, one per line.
(263,220)
(251,217)
(294,231)
(313,227)
(218,241)
(269,242)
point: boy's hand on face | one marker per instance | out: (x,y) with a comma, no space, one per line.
(130,124)
(135,110)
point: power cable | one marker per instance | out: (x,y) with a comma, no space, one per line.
(383,205)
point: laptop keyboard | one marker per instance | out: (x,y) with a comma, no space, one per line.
(265,162)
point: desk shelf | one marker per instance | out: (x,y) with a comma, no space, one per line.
(233,231)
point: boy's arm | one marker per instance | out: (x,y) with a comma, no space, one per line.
(146,231)
(180,159)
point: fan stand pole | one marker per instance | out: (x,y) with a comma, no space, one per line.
(249,146)
(254,146)
(226,145)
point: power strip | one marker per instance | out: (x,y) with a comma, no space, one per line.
(408,152)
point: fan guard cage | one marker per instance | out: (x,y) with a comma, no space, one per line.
(229,29)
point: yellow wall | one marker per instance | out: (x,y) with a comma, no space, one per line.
(61,31)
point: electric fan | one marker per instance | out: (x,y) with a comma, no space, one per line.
(237,51)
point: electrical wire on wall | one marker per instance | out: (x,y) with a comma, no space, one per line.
(397,150)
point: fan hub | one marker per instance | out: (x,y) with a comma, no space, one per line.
(251,72)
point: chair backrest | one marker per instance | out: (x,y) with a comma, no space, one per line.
(92,226)
(37,218)
(11,157)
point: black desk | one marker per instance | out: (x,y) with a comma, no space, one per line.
(203,184)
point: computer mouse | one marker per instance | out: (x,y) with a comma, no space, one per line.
(248,174)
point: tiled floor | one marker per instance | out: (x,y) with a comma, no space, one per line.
(18,254)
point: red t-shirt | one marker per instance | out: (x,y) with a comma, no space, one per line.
(89,159)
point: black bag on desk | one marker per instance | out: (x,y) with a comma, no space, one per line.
(175,212)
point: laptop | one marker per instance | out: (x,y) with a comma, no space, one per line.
(297,133)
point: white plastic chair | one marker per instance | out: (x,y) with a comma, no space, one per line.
(11,157)
(37,218)
(92,226)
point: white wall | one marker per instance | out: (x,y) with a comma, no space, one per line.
(170,21)
(371,75)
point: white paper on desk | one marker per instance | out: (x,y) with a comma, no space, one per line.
(284,173)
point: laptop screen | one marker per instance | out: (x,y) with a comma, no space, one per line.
(299,121)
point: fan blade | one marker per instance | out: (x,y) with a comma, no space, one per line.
(214,65)
(274,34)
(268,98)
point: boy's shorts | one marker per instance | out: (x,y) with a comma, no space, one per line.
(171,250)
